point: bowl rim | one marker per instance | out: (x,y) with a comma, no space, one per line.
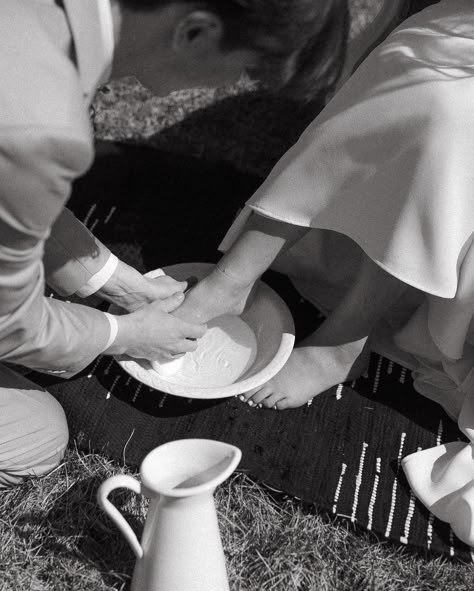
(140,370)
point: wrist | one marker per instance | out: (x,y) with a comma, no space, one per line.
(100,279)
(113,325)
(119,345)
(126,288)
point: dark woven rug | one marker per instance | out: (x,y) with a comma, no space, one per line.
(340,454)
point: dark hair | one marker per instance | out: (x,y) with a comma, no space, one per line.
(302,42)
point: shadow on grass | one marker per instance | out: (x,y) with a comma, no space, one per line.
(251,131)
(76,529)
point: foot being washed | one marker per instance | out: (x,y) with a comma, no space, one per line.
(217,294)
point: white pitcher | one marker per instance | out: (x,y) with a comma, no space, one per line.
(181,548)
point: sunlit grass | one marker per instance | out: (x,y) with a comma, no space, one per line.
(54,537)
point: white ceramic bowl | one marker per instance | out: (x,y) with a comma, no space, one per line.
(268,317)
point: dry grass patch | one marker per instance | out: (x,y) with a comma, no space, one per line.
(53,536)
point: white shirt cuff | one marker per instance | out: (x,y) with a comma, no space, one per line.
(100,278)
(113,329)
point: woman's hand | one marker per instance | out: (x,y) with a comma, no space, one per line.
(130,290)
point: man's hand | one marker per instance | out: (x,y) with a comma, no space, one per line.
(151,332)
(130,290)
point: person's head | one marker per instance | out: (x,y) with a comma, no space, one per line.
(297,45)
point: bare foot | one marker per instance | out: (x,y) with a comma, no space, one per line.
(309,371)
(213,296)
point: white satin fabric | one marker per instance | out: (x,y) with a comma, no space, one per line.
(387,169)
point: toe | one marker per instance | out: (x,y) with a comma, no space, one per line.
(260,395)
(284,403)
(251,397)
(272,400)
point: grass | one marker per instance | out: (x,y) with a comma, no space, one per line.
(54,537)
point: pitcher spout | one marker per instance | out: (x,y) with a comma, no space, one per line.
(189,467)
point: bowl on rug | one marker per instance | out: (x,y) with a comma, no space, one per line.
(269,319)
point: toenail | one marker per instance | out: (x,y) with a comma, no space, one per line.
(274,407)
(260,405)
(251,402)
(242,398)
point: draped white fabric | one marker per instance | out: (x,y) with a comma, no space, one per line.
(388,168)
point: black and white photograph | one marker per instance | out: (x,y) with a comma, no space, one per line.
(236,295)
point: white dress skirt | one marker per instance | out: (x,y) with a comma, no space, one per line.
(387,169)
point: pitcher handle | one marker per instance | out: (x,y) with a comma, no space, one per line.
(120,481)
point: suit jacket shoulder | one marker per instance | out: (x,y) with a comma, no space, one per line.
(40,83)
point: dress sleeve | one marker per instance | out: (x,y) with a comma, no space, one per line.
(388,162)
(37,168)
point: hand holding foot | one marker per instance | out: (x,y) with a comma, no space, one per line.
(215,295)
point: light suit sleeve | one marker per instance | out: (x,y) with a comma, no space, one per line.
(37,168)
(72,255)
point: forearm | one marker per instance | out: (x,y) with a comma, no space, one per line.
(52,336)
(261,241)
(72,255)
(37,167)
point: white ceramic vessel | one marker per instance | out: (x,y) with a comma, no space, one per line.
(268,317)
(181,548)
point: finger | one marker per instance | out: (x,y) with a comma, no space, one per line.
(166,356)
(171,303)
(180,346)
(185,346)
(166,286)
(192,331)
(191,281)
